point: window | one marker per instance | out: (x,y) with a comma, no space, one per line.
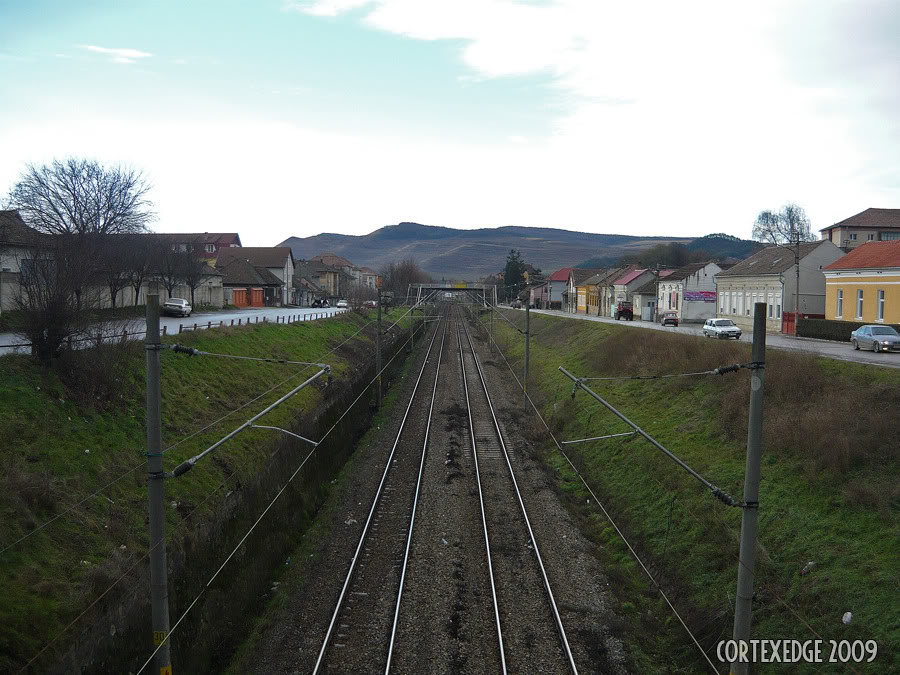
(889,236)
(853,236)
(881,305)
(777,311)
(748,305)
(721,303)
(210,248)
(870,237)
(771,305)
(859,299)
(840,303)
(733,303)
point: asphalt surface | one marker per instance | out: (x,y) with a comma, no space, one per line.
(827,348)
(201,319)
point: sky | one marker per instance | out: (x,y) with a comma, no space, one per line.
(278,118)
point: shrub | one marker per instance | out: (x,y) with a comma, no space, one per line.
(828,329)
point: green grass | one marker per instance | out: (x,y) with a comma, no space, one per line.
(829,491)
(58,444)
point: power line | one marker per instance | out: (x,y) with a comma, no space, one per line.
(183,440)
(262,515)
(606,513)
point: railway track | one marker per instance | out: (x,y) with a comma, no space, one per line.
(462,586)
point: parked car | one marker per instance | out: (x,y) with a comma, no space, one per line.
(342,304)
(176,307)
(370,304)
(875,337)
(721,328)
(625,310)
(670,319)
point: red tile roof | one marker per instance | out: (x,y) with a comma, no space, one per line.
(560,275)
(629,277)
(870,218)
(872,254)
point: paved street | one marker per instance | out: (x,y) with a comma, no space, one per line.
(833,350)
(201,319)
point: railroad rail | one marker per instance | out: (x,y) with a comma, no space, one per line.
(479,432)
(386,508)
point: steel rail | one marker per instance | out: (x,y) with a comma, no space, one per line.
(559,625)
(484,527)
(412,519)
(362,538)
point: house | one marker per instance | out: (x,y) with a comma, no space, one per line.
(368,277)
(690,292)
(864,285)
(306,291)
(204,244)
(599,290)
(770,276)
(869,225)
(327,278)
(279,260)
(577,291)
(624,287)
(16,242)
(552,290)
(645,298)
(247,285)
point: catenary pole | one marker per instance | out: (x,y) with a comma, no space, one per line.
(493,302)
(378,347)
(743,605)
(159,594)
(527,340)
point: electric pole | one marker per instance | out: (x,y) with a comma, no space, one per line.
(159,594)
(527,340)
(743,606)
(378,348)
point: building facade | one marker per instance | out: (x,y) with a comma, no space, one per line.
(690,292)
(869,225)
(864,285)
(770,276)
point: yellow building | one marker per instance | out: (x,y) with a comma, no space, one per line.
(864,285)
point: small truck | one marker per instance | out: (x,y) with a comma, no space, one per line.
(625,310)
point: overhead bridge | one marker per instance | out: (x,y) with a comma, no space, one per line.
(487,293)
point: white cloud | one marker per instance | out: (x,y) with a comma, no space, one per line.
(689,103)
(117,55)
(323,7)
(517,139)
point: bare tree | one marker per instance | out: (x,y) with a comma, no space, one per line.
(142,252)
(194,271)
(113,266)
(81,196)
(787,226)
(169,269)
(397,276)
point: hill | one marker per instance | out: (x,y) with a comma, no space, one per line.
(471,254)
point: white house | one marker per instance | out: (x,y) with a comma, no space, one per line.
(690,291)
(770,276)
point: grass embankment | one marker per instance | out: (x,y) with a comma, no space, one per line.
(69,432)
(829,491)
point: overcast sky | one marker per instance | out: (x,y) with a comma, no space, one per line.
(274,118)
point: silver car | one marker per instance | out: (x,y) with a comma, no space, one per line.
(721,328)
(177,307)
(875,337)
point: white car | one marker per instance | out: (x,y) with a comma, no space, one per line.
(176,307)
(342,304)
(721,328)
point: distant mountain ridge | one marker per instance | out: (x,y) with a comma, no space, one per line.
(445,252)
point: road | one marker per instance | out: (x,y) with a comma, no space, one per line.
(827,348)
(201,319)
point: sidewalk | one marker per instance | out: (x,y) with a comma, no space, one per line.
(841,351)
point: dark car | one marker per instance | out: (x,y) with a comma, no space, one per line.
(669,319)
(875,337)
